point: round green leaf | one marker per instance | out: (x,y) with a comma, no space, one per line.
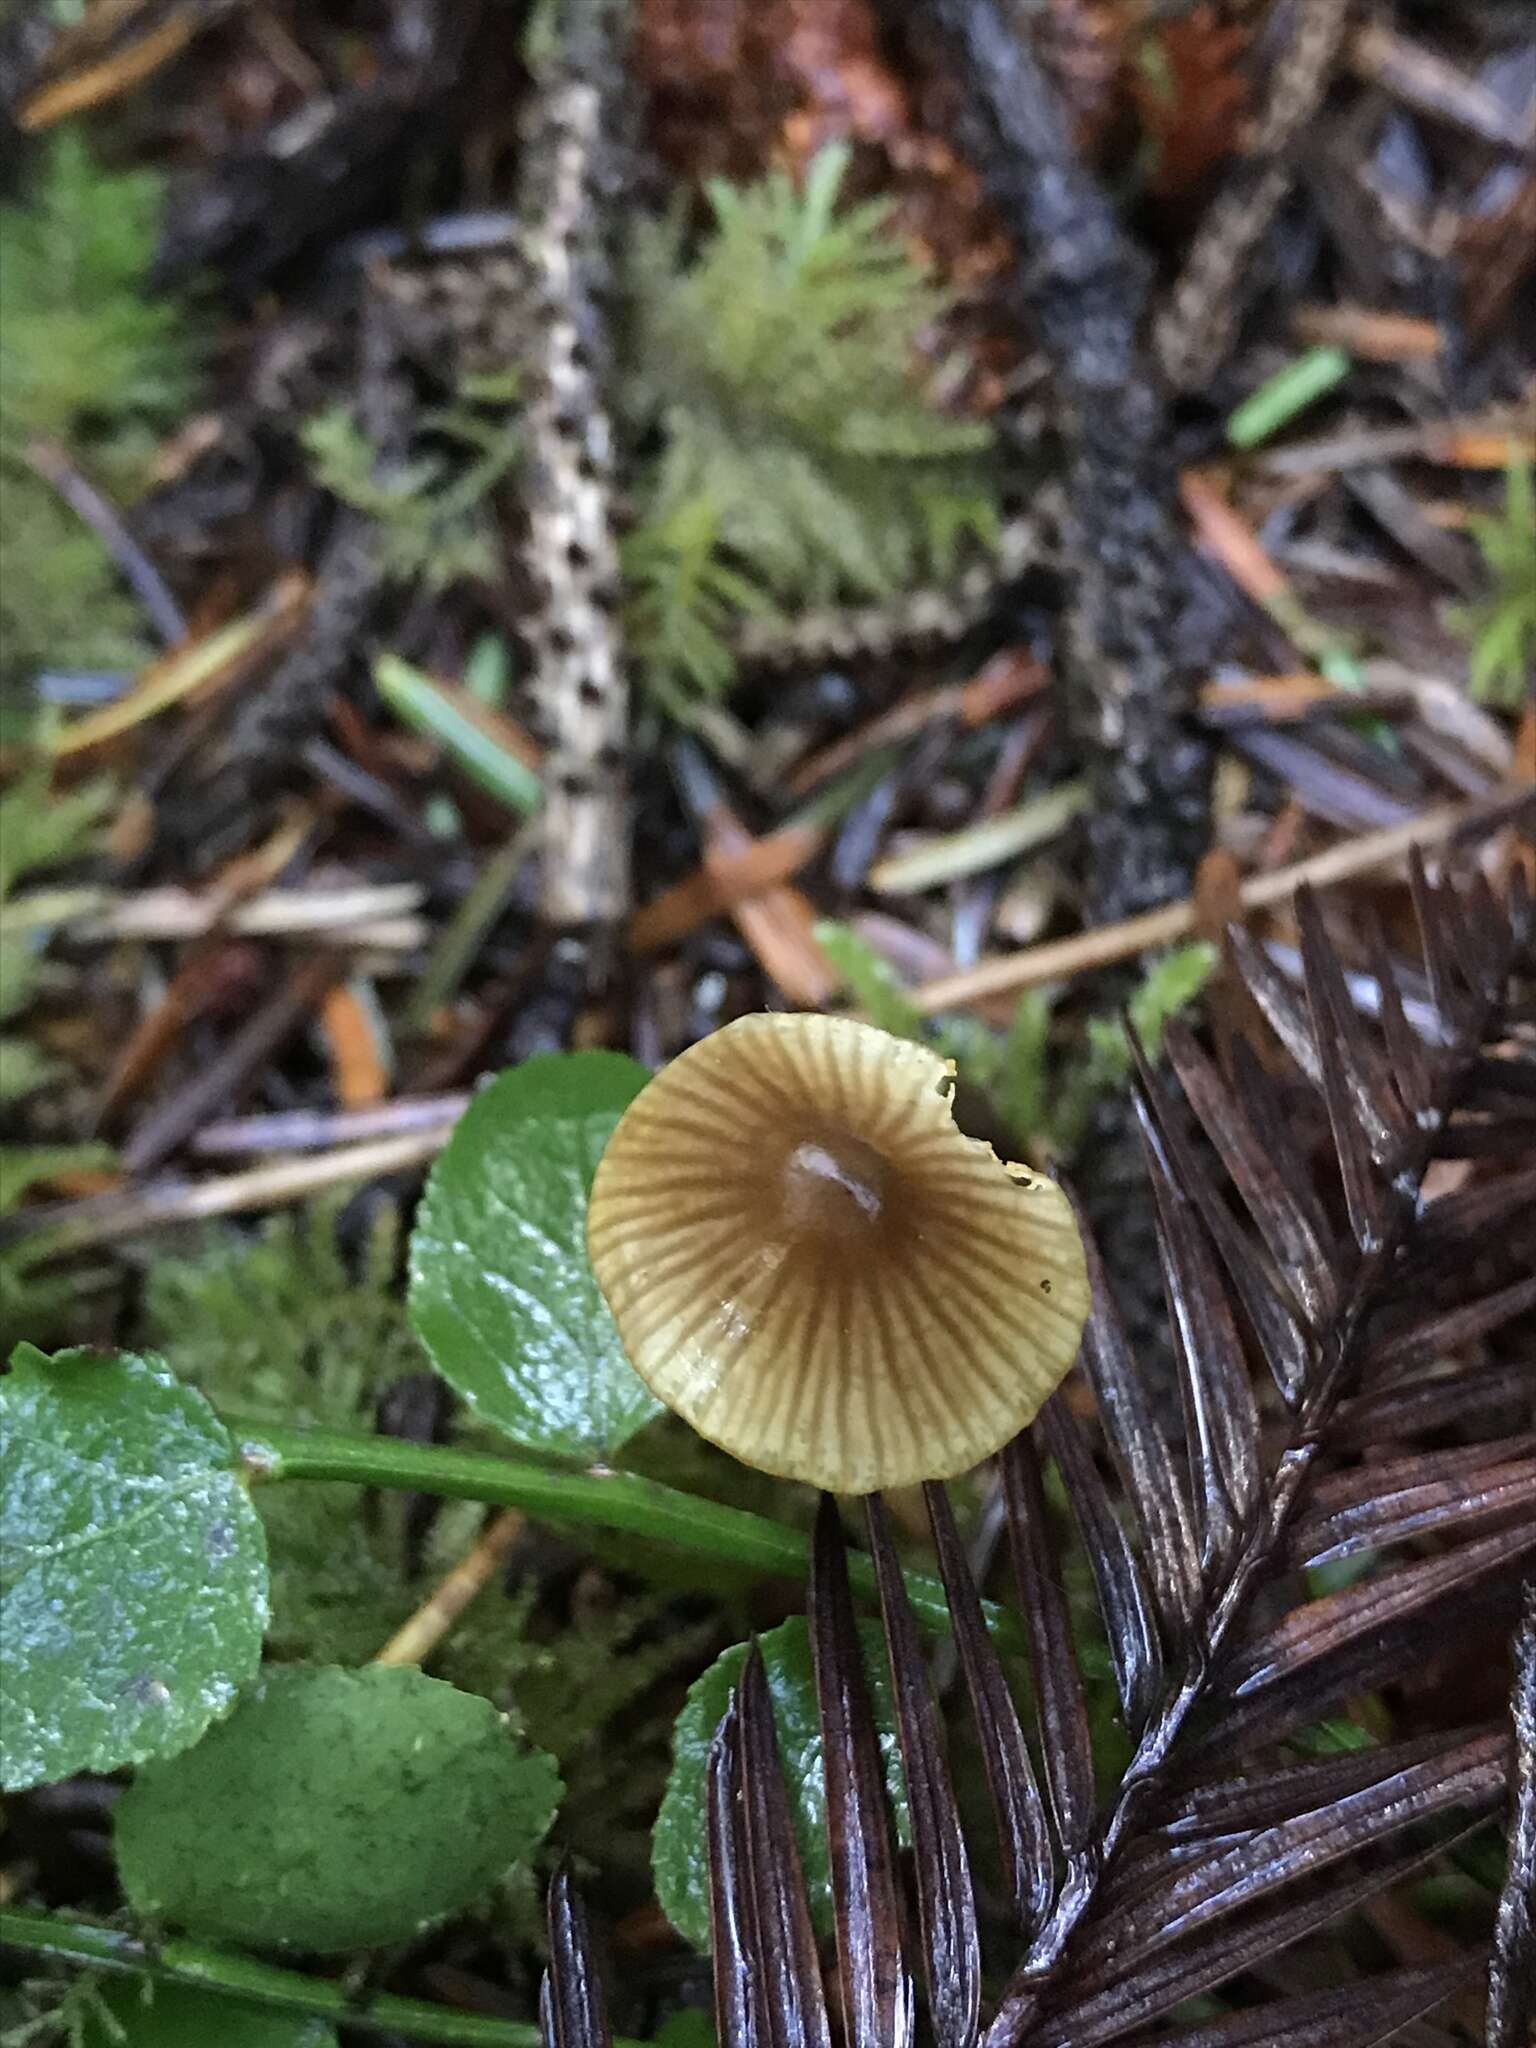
(677,1847)
(334,1810)
(502,1294)
(133,1569)
(181,2016)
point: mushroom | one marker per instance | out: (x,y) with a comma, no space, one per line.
(810,1263)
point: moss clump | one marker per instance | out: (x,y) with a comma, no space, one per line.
(87,358)
(798,456)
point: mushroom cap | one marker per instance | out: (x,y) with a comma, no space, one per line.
(810,1263)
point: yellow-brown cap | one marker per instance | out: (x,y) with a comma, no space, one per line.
(810,1263)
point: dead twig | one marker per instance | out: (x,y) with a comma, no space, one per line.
(1106,945)
(1374,336)
(1429,83)
(317,1130)
(726,880)
(1484,441)
(777,921)
(165,1127)
(107,1219)
(568,149)
(1131,677)
(200,666)
(1199,320)
(1009,679)
(951,856)
(415,1640)
(370,915)
(112,530)
(916,618)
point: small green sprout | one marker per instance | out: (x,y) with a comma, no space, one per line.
(1501,627)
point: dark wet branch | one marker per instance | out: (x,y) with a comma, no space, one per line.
(1512,1976)
(1082,287)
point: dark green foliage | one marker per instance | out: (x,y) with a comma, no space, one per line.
(41,829)
(61,604)
(105,2011)
(685,598)
(134,2015)
(800,458)
(79,343)
(871,981)
(278,1325)
(36,1300)
(88,360)
(73,2011)
(1055,1089)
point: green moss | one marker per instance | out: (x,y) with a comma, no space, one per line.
(39,830)
(1501,627)
(599,1693)
(79,340)
(432,513)
(1045,1083)
(799,456)
(61,605)
(278,1326)
(88,359)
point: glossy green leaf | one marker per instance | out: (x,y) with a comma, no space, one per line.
(502,1294)
(334,1810)
(133,1570)
(144,2015)
(677,1849)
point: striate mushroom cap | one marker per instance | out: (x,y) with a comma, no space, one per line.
(810,1263)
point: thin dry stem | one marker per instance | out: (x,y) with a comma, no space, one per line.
(415,1640)
(1104,945)
(108,1218)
